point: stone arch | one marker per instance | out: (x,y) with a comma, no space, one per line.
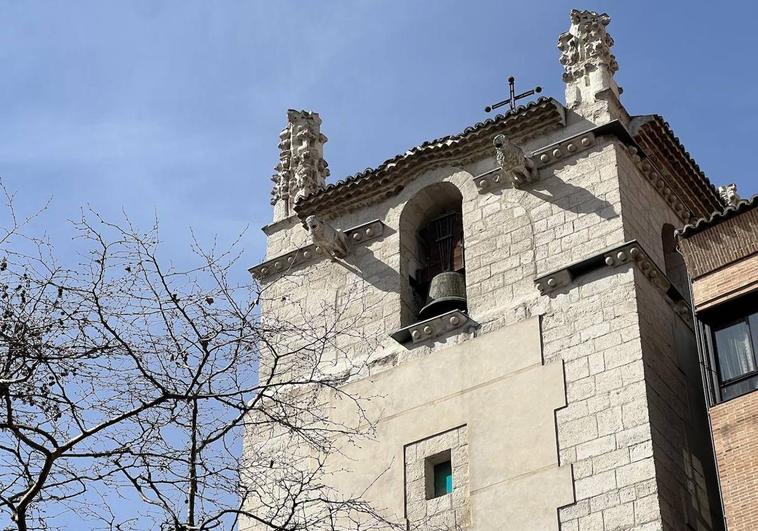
(427,205)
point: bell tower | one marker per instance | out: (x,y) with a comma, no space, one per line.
(513,321)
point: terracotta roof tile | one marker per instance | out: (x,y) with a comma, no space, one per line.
(368,181)
(717,217)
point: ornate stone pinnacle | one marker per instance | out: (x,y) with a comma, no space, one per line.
(586,46)
(728,193)
(302,169)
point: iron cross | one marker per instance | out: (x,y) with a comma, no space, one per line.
(512,100)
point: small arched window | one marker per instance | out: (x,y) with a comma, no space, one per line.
(432,254)
(676,269)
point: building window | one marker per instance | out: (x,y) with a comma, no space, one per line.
(443,478)
(737,355)
(728,338)
(437,481)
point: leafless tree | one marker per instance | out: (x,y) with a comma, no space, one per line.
(123,376)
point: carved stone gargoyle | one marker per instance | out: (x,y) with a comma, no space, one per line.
(517,168)
(332,242)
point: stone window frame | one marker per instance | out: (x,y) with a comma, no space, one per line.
(424,511)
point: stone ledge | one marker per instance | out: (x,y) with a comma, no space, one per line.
(565,148)
(433,328)
(627,253)
(494,179)
(284,263)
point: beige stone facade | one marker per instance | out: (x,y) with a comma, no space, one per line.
(572,381)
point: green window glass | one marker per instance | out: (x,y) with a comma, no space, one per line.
(443,479)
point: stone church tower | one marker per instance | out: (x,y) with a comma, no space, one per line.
(518,309)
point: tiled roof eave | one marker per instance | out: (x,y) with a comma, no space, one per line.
(657,139)
(374,184)
(717,217)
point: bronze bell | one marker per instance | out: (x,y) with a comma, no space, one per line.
(447,291)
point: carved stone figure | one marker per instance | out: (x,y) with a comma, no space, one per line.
(301,170)
(729,194)
(331,241)
(516,167)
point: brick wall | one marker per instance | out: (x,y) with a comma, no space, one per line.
(719,286)
(735,435)
(730,240)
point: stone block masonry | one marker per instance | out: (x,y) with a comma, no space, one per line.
(581,408)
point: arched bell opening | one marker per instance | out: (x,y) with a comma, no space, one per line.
(433,268)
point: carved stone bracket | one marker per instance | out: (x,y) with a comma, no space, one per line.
(435,327)
(565,148)
(554,281)
(630,253)
(490,180)
(286,262)
(659,181)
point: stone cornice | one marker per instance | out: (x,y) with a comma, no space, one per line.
(435,327)
(287,262)
(629,253)
(660,182)
(682,174)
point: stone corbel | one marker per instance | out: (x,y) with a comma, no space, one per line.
(435,327)
(350,238)
(554,281)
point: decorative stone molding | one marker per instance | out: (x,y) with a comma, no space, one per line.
(658,142)
(329,240)
(728,193)
(554,281)
(490,180)
(496,178)
(301,170)
(514,165)
(435,327)
(660,183)
(286,262)
(628,253)
(565,148)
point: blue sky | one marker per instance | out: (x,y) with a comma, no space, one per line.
(173,108)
